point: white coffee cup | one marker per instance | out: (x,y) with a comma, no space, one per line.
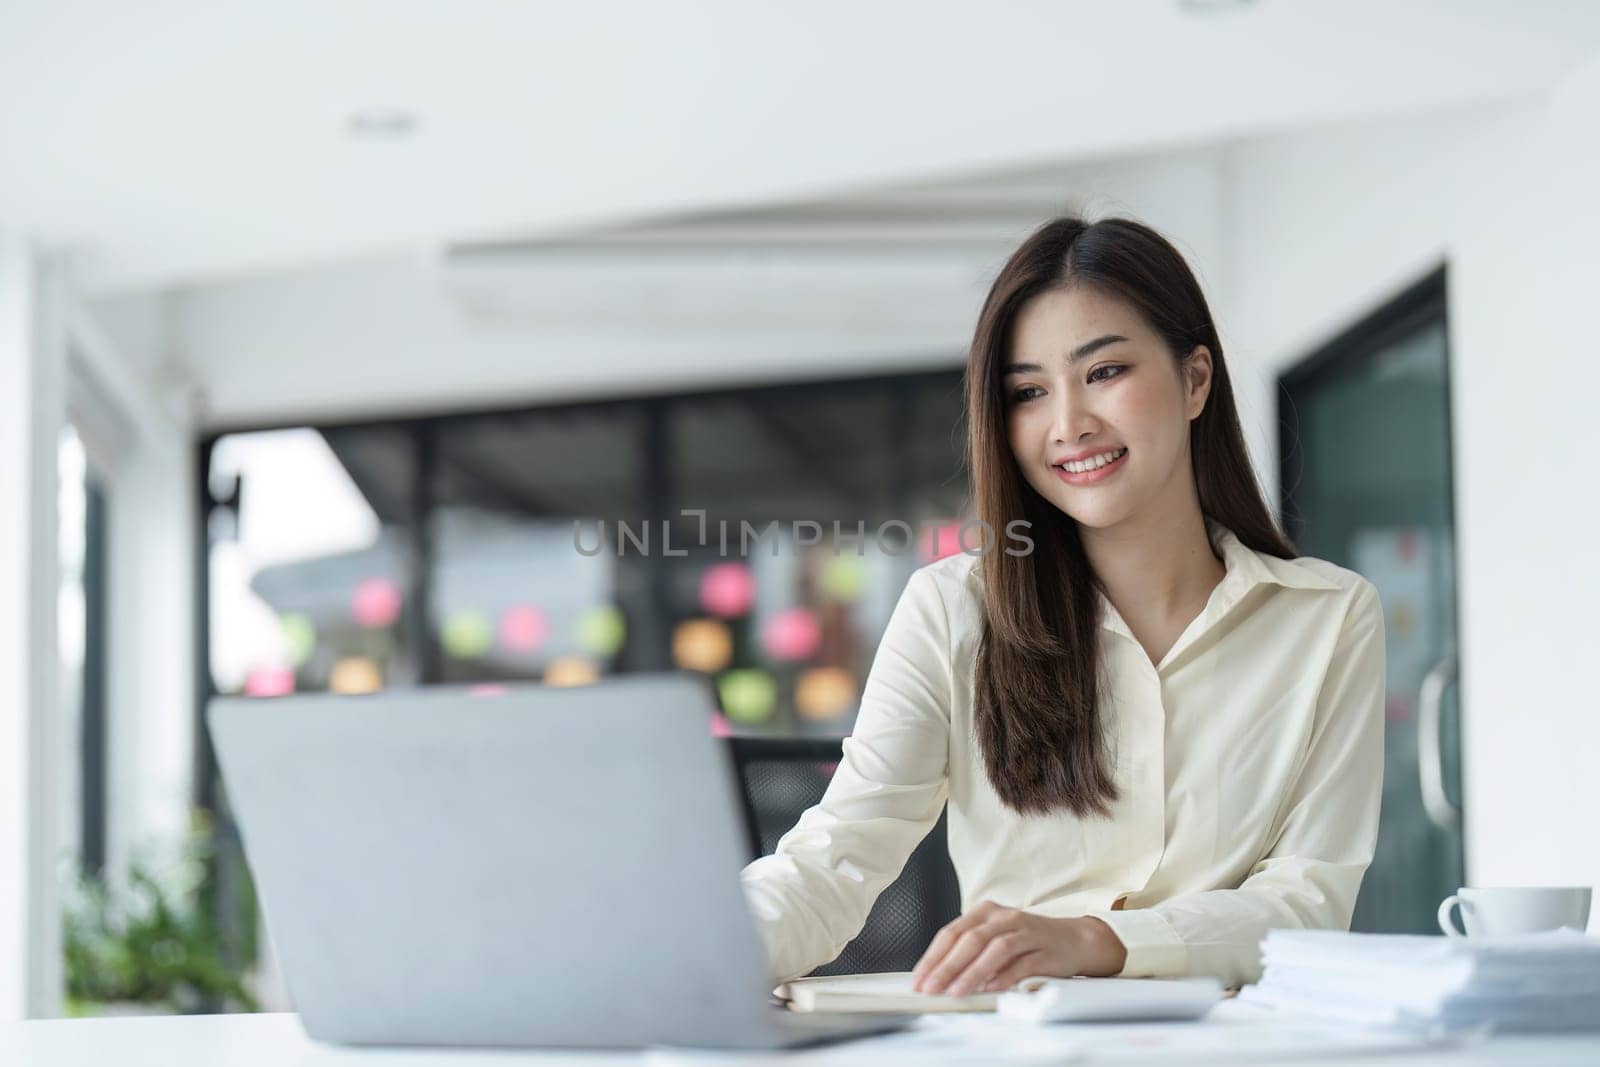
(1522,910)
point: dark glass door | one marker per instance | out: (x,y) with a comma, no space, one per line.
(1366,483)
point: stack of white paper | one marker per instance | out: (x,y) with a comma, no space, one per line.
(1531,982)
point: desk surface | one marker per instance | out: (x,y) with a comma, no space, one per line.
(276,1040)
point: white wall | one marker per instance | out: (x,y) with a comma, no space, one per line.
(1323,227)
(32,361)
(1526,255)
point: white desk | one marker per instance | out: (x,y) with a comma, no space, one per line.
(276,1040)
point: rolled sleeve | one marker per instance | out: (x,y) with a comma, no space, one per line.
(1313,869)
(813,894)
(1154,947)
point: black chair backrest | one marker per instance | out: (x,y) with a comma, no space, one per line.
(781,778)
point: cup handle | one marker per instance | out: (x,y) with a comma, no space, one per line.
(1445,924)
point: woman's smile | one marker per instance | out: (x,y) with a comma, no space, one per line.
(1095,473)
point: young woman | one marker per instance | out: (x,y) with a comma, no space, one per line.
(1160,732)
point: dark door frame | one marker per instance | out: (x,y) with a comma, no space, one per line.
(1422,302)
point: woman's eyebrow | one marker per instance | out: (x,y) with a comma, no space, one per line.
(1083,351)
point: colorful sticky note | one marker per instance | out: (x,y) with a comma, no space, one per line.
(727,589)
(937,542)
(748,695)
(300,635)
(824,693)
(571,670)
(523,628)
(843,578)
(466,634)
(702,645)
(269,682)
(791,635)
(602,630)
(376,603)
(355,674)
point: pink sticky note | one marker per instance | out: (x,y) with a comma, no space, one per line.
(791,635)
(727,589)
(376,603)
(269,682)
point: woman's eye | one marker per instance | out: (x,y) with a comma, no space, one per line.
(1024,394)
(1118,367)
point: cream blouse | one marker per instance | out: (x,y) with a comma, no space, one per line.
(1249,760)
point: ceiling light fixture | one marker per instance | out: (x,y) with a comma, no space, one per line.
(381,124)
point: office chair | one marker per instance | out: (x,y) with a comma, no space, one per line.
(782,777)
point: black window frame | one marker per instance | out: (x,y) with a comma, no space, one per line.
(656,494)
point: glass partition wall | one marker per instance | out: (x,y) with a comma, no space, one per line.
(758,536)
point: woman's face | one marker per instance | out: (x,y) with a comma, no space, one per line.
(1087,378)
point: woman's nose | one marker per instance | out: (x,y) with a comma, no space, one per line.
(1073,418)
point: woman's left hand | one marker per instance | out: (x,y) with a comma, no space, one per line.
(993,947)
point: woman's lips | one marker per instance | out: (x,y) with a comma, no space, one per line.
(1099,474)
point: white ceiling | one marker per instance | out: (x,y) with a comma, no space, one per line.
(184,141)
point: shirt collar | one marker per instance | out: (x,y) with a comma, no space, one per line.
(1256,568)
(1246,568)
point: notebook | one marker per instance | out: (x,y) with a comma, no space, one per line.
(1033,999)
(889,992)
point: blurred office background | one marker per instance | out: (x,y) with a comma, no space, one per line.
(322,326)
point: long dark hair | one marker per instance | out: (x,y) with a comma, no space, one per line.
(1038,681)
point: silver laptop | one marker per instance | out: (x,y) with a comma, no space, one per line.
(552,867)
